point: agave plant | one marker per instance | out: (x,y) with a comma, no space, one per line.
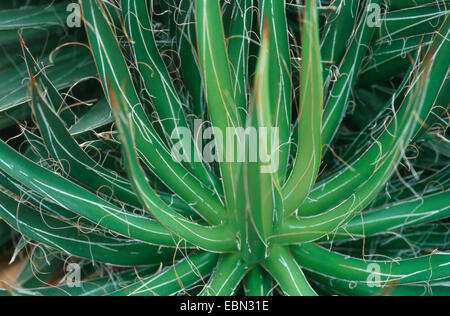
(95,95)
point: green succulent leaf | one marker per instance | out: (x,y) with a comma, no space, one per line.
(274,13)
(39,268)
(29,17)
(217,238)
(98,117)
(72,159)
(339,95)
(227,276)
(178,278)
(397,215)
(103,286)
(80,201)
(63,74)
(288,273)
(219,148)
(377,274)
(307,162)
(337,31)
(159,85)
(217,81)
(113,69)
(71,240)
(257,283)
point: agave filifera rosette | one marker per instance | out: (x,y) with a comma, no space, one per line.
(357,203)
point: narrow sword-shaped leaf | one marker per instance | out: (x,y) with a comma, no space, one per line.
(98,117)
(186,40)
(217,239)
(38,269)
(423,269)
(226,277)
(257,283)
(307,161)
(336,34)
(238,50)
(402,243)
(398,215)
(260,211)
(218,86)
(339,95)
(178,278)
(159,85)
(402,4)
(402,129)
(351,288)
(56,100)
(350,178)
(67,69)
(411,21)
(285,270)
(389,58)
(113,69)
(71,158)
(94,287)
(37,16)
(80,201)
(274,12)
(59,235)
